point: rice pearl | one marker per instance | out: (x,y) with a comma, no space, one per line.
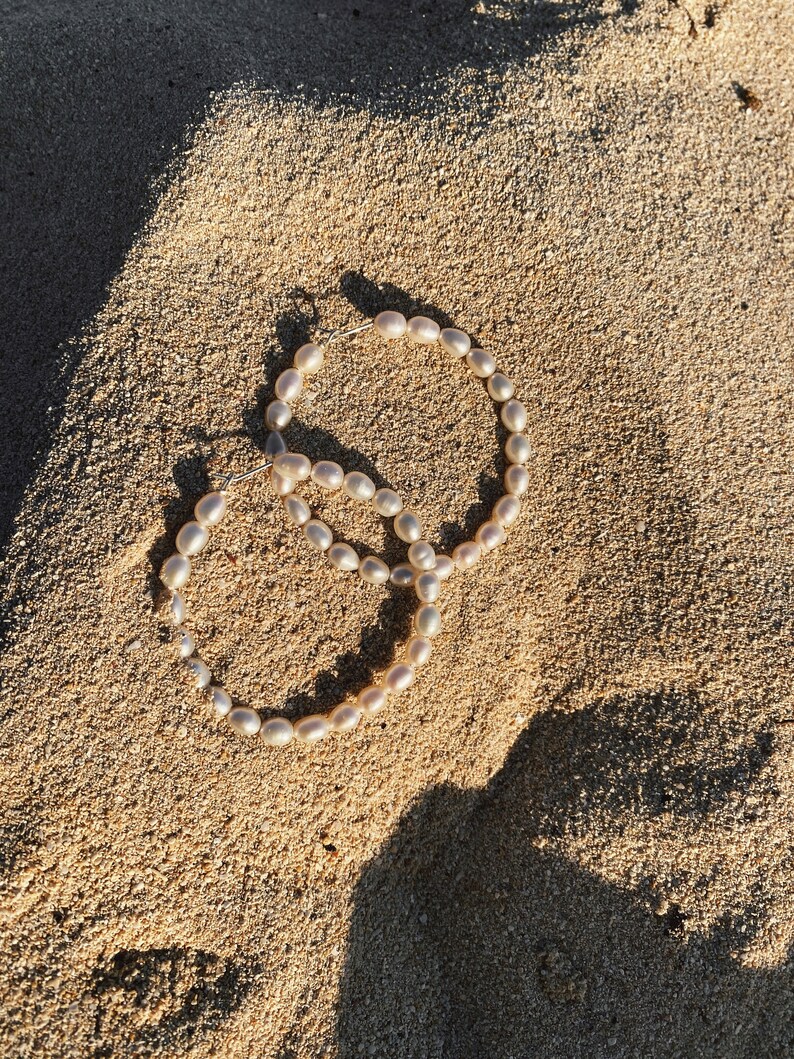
(309,358)
(210,509)
(427,619)
(187,645)
(358,485)
(282,485)
(427,586)
(373,570)
(407,526)
(423,330)
(371,700)
(312,728)
(500,387)
(191,538)
(344,718)
(175,571)
(444,567)
(387,503)
(327,474)
(244,720)
(398,677)
(517,448)
(289,385)
(506,510)
(514,415)
(221,700)
(298,511)
(402,575)
(481,363)
(318,534)
(199,671)
(516,479)
(275,444)
(177,608)
(293,465)
(418,650)
(278,415)
(422,556)
(343,557)
(277,731)
(490,535)
(454,341)
(390,324)
(466,555)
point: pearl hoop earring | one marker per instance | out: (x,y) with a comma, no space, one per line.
(423,569)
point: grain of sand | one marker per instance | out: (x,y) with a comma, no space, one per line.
(572,836)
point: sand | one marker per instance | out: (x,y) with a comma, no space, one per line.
(572,836)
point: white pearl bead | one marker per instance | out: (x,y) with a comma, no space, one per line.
(466,555)
(373,570)
(398,677)
(289,385)
(210,509)
(516,479)
(481,363)
(427,586)
(421,555)
(407,526)
(514,415)
(277,731)
(177,608)
(371,700)
(343,557)
(327,474)
(402,575)
(517,448)
(489,536)
(390,324)
(278,415)
(358,485)
(455,342)
(221,700)
(309,358)
(344,718)
(318,534)
(293,465)
(387,503)
(444,567)
(274,445)
(312,728)
(175,571)
(199,671)
(506,510)
(187,645)
(282,485)
(244,720)
(418,650)
(191,538)
(423,330)
(500,387)
(298,511)
(427,620)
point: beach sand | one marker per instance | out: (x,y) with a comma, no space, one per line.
(573,835)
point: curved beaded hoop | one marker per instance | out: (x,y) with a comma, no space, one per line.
(424,569)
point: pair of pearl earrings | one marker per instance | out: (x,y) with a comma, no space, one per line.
(423,569)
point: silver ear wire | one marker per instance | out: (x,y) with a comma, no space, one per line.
(334,334)
(231,478)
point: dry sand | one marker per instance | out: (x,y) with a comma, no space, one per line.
(572,837)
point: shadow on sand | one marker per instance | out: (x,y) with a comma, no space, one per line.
(494,946)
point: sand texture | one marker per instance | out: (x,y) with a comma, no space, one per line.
(572,837)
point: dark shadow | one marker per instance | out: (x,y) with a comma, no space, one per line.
(94,109)
(491,945)
(193,990)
